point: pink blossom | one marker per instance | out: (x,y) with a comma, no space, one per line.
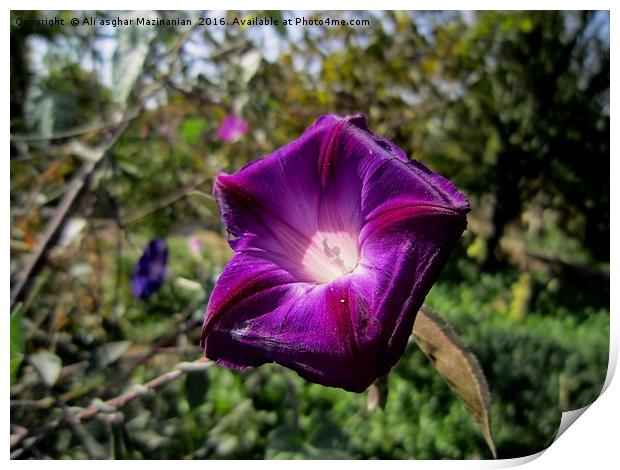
(232,128)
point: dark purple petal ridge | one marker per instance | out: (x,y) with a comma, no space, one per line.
(338,238)
(150,270)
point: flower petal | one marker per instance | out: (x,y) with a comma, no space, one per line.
(342,334)
(259,314)
(404,259)
(273,206)
(282,188)
(356,159)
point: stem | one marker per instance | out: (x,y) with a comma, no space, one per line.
(109,406)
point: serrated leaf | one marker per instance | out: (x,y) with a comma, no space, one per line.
(111,352)
(196,387)
(17,344)
(48,365)
(457,366)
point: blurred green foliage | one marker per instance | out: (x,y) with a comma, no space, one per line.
(512,106)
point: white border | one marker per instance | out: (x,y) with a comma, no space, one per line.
(592,442)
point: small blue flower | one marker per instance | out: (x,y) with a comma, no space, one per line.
(150,271)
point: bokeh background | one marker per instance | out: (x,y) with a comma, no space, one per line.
(114,140)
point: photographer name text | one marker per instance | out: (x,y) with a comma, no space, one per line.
(214,21)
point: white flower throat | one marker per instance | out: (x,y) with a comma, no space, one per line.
(330,255)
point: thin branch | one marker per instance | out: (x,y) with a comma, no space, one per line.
(91,127)
(187,324)
(66,372)
(113,405)
(164,201)
(157,383)
(92,157)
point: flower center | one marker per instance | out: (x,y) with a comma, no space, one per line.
(330,255)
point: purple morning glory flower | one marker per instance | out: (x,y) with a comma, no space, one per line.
(338,238)
(150,270)
(232,128)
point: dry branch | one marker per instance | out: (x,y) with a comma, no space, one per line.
(113,405)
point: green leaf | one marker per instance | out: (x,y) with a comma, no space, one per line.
(150,439)
(286,443)
(17,344)
(457,366)
(39,109)
(92,446)
(324,434)
(48,365)
(110,352)
(196,386)
(250,63)
(192,128)
(129,56)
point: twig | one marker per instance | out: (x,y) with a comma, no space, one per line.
(184,327)
(164,201)
(92,157)
(95,126)
(66,371)
(113,405)
(40,404)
